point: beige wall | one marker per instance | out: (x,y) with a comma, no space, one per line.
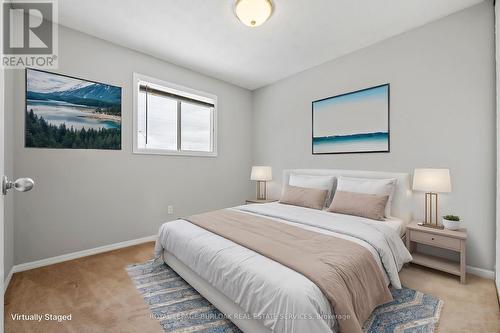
(442,115)
(88,198)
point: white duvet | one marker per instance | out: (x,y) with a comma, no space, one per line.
(282,299)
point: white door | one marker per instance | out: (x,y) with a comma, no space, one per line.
(2,122)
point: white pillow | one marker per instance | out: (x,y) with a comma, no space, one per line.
(369,186)
(317,182)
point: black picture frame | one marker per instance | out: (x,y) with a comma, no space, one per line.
(388,150)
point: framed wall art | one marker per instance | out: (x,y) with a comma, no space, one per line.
(355,122)
(72,113)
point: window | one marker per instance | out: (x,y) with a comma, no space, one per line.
(173,120)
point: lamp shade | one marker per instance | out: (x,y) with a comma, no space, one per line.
(262,173)
(432,180)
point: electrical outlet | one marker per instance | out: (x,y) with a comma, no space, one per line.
(170,209)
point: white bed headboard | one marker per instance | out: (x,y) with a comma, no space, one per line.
(402,205)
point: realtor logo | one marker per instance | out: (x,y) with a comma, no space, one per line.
(29,37)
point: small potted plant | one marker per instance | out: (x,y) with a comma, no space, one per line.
(451,222)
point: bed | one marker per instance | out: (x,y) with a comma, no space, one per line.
(262,295)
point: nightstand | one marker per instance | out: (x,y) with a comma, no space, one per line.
(252,201)
(442,238)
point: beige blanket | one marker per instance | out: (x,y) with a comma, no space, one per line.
(344,271)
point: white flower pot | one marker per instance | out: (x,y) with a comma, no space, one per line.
(451,225)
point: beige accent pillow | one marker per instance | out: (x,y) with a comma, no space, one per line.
(371,206)
(303,196)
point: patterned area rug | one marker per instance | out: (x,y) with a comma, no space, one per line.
(180,308)
(410,312)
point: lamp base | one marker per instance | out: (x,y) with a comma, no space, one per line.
(431,211)
(261,190)
(434,226)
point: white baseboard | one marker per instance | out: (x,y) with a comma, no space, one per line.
(7,280)
(79,254)
(484,273)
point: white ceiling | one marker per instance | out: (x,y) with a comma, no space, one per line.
(205,36)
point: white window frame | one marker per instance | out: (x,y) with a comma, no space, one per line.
(141,78)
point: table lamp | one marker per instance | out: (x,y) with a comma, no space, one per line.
(432,182)
(261,174)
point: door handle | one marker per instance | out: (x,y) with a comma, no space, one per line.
(20,184)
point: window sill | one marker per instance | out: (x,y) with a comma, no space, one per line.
(175,153)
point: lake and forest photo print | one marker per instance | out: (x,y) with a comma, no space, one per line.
(356,122)
(71,113)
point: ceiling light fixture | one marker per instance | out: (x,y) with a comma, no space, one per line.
(253,12)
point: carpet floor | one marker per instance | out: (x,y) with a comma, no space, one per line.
(101,297)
